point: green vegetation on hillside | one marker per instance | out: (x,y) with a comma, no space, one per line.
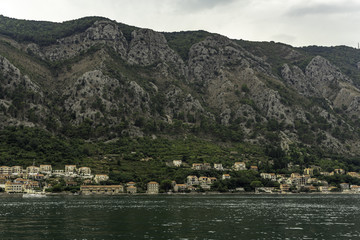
(145,159)
(277,54)
(181,42)
(42,32)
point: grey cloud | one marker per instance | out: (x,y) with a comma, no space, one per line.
(199,5)
(324,9)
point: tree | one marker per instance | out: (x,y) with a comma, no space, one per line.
(255,184)
(166,185)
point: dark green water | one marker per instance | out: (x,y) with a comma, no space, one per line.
(182,217)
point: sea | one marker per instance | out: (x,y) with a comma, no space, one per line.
(182,217)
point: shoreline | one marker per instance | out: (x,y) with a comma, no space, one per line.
(4,194)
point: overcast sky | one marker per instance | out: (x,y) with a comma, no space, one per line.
(295,22)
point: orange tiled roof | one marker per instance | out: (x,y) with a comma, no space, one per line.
(153,182)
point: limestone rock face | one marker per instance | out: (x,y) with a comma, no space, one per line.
(94,93)
(12,78)
(178,103)
(148,47)
(18,94)
(322,79)
(102,32)
(324,76)
(208,58)
(296,78)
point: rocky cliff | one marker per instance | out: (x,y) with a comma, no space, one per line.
(111,80)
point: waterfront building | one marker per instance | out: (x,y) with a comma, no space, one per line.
(355,188)
(152,188)
(344,186)
(101,189)
(11,187)
(130,184)
(131,189)
(31,185)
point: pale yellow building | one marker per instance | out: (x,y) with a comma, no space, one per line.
(84,171)
(5,170)
(11,187)
(131,189)
(152,188)
(46,169)
(192,180)
(225,176)
(239,166)
(32,170)
(16,170)
(70,169)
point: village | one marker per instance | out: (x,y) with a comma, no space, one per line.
(41,179)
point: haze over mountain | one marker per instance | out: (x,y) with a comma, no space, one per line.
(98,79)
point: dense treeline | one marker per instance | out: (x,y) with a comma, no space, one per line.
(42,32)
(147,159)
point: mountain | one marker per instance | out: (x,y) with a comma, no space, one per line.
(101,80)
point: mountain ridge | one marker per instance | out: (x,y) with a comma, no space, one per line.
(104,80)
